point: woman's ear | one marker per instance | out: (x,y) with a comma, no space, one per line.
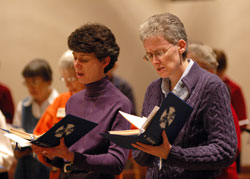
(49,82)
(106,61)
(182,46)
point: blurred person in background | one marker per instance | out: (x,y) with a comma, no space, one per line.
(122,85)
(236,93)
(37,76)
(6,103)
(56,111)
(237,96)
(206,58)
(6,151)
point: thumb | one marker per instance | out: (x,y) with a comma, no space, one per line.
(62,140)
(164,137)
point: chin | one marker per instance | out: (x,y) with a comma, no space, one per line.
(163,76)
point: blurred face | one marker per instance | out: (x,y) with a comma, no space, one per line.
(88,68)
(165,57)
(70,79)
(205,66)
(38,88)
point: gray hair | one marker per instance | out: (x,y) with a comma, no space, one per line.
(66,60)
(203,54)
(167,25)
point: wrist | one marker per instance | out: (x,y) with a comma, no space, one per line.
(70,156)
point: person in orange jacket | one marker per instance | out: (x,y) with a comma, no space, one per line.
(56,111)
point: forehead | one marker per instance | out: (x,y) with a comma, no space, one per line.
(155,42)
(68,71)
(82,54)
(35,78)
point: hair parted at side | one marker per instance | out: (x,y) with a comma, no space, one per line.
(95,38)
(38,68)
(167,25)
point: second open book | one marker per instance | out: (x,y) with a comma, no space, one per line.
(170,116)
(72,128)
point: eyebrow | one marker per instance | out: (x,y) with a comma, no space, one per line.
(159,49)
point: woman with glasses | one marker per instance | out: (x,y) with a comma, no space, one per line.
(38,78)
(207,142)
(56,111)
(95,52)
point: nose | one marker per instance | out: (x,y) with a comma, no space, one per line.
(155,59)
(76,63)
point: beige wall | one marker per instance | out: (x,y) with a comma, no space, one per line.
(32,29)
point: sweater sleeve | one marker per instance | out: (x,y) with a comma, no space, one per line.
(150,100)
(210,135)
(110,162)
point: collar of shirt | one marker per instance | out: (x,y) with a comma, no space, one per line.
(180,89)
(38,110)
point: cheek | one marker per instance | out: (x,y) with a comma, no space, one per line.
(171,64)
(74,85)
(43,88)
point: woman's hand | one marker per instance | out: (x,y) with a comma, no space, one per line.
(60,151)
(22,153)
(161,151)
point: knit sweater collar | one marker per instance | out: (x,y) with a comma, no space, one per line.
(192,77)
(96,88)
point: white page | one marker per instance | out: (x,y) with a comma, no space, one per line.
(135,120)
(21,142)
(243,122)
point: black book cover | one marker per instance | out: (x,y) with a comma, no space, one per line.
(170,117)
(72,128)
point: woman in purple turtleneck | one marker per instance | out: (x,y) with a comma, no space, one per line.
(95,52)
(207,142)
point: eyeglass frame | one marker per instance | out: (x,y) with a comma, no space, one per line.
(158,54)
(68,79)
(33,83)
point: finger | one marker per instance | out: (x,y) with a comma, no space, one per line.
(62,140)
(138,147)
(62,143)
(164,136)
(143,147)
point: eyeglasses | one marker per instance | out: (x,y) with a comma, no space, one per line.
(68,79)
(158,54)
(32,83)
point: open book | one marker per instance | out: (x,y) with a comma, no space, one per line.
(72,128)
(170,116)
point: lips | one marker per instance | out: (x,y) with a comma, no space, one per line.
(160,69)
(79,74)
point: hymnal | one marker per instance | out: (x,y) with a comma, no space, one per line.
(170,116)
(72,128)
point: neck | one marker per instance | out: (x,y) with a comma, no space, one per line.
(176,77)
(43,98)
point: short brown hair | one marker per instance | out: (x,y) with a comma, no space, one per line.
(95,38)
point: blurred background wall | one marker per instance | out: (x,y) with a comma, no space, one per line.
(32,28)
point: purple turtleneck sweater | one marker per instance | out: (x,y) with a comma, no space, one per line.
(207,141)
(99,102)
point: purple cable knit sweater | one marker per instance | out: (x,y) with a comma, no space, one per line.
(207,141)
